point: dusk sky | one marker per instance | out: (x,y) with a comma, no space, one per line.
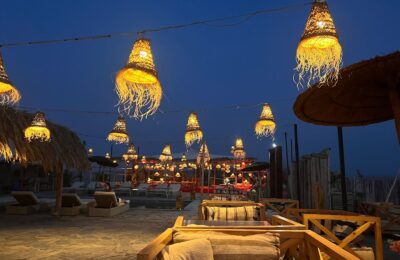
(202,68)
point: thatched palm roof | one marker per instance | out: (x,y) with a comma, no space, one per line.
(65,149)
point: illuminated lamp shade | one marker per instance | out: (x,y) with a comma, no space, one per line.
(9,95)
(119,134)
(238,149)
(38,129)
(265,126)
(319,54)
(137,84)
(203,151)
(193,132)
(107,156)
(177,175)
(166,155)
(131,153)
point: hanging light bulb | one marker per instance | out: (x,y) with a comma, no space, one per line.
(166,155)
(193,132)
(107,156)
(238,149)
(119,134)
(131,153)
(203,150)
(319,54)
(265,126)
(38,129)
(137,84)
(9,95)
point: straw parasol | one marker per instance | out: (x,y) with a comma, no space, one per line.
(367,92)
(64,151)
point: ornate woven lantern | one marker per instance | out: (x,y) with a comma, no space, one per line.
(193,132)
(319,54)
(203,149)
(238,149)
(38,129)
(166,155)
(131,153)
(137,83)
(119,134)
(265,126)
(9,95)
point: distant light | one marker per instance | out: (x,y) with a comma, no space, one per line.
(143,54)
(274,145)
(321,24)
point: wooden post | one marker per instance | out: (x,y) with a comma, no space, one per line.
(296,147)
(342,168)
(59,188)
(394,94)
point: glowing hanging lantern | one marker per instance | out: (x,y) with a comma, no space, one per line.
(38,129)
(119,134)
(177,175)
(166,155)
(203,150)
(131,153)
(319,54)
(137,84)
(238,149)
(107,156)
(193,132)
(9,94)
(265,126)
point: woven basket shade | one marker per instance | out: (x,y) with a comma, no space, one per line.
(119,134)
(131,153)
(238,149)
(319,54)
(38,129)
(9,95)
(193,132)
(166,155)
(367,92)
(137,83)
(265,126)
(203,149)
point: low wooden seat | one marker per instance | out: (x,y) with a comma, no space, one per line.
(27,203)
(106,205)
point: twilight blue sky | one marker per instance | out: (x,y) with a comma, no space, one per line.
(199,67)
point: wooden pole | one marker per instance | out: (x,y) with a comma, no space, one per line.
(394,94)
(342,168)
(287,154)
(296,147)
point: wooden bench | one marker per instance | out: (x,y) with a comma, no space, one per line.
(279,206)
(294,244)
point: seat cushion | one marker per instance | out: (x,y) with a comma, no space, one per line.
(196,249)
(105,199)
(25,198)
(231,213)
(225,246)
(70,200)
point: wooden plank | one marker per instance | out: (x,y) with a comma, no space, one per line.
(150,251)
(355,234)
(279,220)
(378,240)
(179,221)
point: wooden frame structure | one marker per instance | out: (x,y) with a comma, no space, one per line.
(226,203)
(270,203)
(315,217)
(388,212)
(278,223)
(296,244)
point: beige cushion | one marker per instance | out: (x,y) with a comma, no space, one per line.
(231,213)
(197,249)
(365,253)
(105,199)
(25,198)
(225,246)
(70,200)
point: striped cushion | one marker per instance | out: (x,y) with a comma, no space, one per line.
(232,213)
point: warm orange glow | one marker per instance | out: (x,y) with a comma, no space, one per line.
(166,155)
(238,149)
(38,129)
(9,94)
(193,132)
(119,134)
(266,125)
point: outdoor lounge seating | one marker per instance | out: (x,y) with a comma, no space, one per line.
(161,189)
(141,188)
(124,188)
(72,205)
(76,187)
(95,186)
(106,205)
(231,210)
(242,244)
(174,190)
(27,203)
